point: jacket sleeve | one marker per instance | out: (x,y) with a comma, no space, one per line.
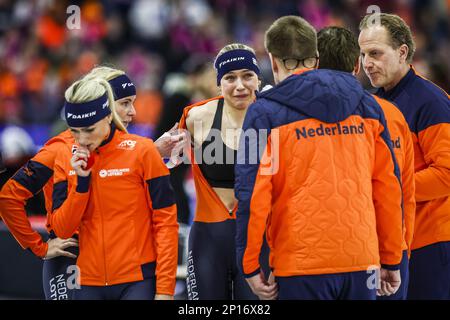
(408,187)
(387,198)
(69,204)
(434,181)
(27,181)
(164,219)
(253,190)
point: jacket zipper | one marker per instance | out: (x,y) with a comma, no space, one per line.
(230,212)
(217,198)
(103,227)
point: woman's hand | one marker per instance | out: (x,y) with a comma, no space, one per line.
(79,162)
(56,248)
(171,142)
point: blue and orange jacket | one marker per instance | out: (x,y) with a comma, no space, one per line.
(325,186)
(426,108)
(209,207)
(124,211)
(34,176)
(403,147)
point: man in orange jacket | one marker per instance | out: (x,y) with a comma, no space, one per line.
(387,49)
(330,200)
(339,50)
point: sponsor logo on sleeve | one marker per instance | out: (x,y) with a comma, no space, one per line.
(127,145)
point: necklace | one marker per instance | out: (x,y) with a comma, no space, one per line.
(233,130)
(230,124)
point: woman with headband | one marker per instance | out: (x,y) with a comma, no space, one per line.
(215,126)
(122,205)
(36,175)
(123,88)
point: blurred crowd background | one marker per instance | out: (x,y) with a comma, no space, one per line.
(167,47)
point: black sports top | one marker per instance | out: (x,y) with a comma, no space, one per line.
(216,160)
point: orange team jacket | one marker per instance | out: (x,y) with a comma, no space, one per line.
(209,206)
(325,184)
(426,108)
(403,147)
(34,176)
(124,211)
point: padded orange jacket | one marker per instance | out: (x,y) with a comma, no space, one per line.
(426,108)
(402,144)
(34,176)
(325,184)
(124,211)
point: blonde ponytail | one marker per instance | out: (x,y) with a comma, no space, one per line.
(116,118)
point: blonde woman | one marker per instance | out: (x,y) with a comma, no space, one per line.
(122,206)
(60,254)
(125,97)
(37,175)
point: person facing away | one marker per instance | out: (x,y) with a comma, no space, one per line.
(387,50)
(325,185)
(339,50)
(114,189)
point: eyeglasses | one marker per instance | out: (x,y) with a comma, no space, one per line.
(293,63)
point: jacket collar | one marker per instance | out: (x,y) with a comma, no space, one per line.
(298,72)
(295,73)
(400,87)
(110,142)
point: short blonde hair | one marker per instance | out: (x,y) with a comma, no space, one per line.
(90,88)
